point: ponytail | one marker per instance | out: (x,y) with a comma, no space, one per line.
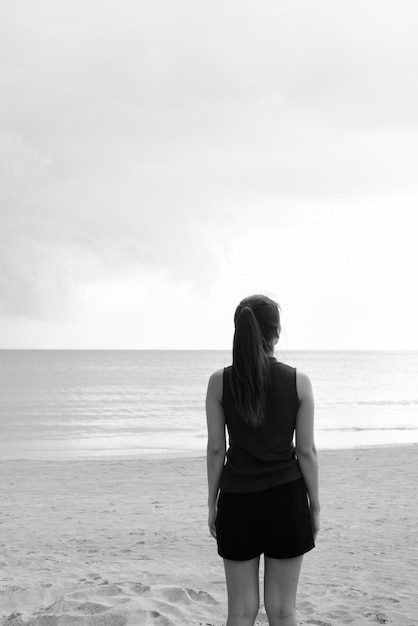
(249,367)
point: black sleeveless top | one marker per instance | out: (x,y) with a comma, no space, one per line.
(263,456)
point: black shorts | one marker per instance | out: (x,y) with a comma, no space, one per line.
(275,521)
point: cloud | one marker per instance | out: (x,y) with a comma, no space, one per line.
(148,135)
(57,232)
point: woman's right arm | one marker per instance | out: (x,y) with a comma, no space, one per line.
(305,445)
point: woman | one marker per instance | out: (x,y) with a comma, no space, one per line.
(258,495)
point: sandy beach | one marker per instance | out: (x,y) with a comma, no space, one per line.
(115,542)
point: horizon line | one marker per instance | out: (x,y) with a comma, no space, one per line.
(205,350)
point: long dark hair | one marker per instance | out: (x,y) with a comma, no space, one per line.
(257,323)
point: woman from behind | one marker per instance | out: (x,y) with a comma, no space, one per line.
(263,491)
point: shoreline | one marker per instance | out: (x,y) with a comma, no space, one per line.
(122,541)
(179,455)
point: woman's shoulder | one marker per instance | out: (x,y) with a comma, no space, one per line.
(290,369)
(217,375)
(284,371)
(283,366)
(296,376)
(215,384)
(303,385)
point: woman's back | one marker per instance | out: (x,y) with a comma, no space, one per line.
(262,456)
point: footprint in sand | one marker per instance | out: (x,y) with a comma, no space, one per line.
(140,589)
(175,595)
(90,608)
(380,618)
(201,596)
(160,620)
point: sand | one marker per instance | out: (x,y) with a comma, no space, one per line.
(115,542)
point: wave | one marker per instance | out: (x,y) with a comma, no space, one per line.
(387,402)
(356,429)
(332,403)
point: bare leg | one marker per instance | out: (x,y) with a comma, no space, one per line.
(281,577)
(242,584)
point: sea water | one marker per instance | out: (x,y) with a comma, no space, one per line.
(77,403)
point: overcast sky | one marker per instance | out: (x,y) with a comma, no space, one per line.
(161,160)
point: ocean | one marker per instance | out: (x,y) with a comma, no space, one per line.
(60,404)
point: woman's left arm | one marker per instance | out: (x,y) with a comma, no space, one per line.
(216,443)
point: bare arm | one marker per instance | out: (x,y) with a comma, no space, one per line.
(216,446)
(305,445)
